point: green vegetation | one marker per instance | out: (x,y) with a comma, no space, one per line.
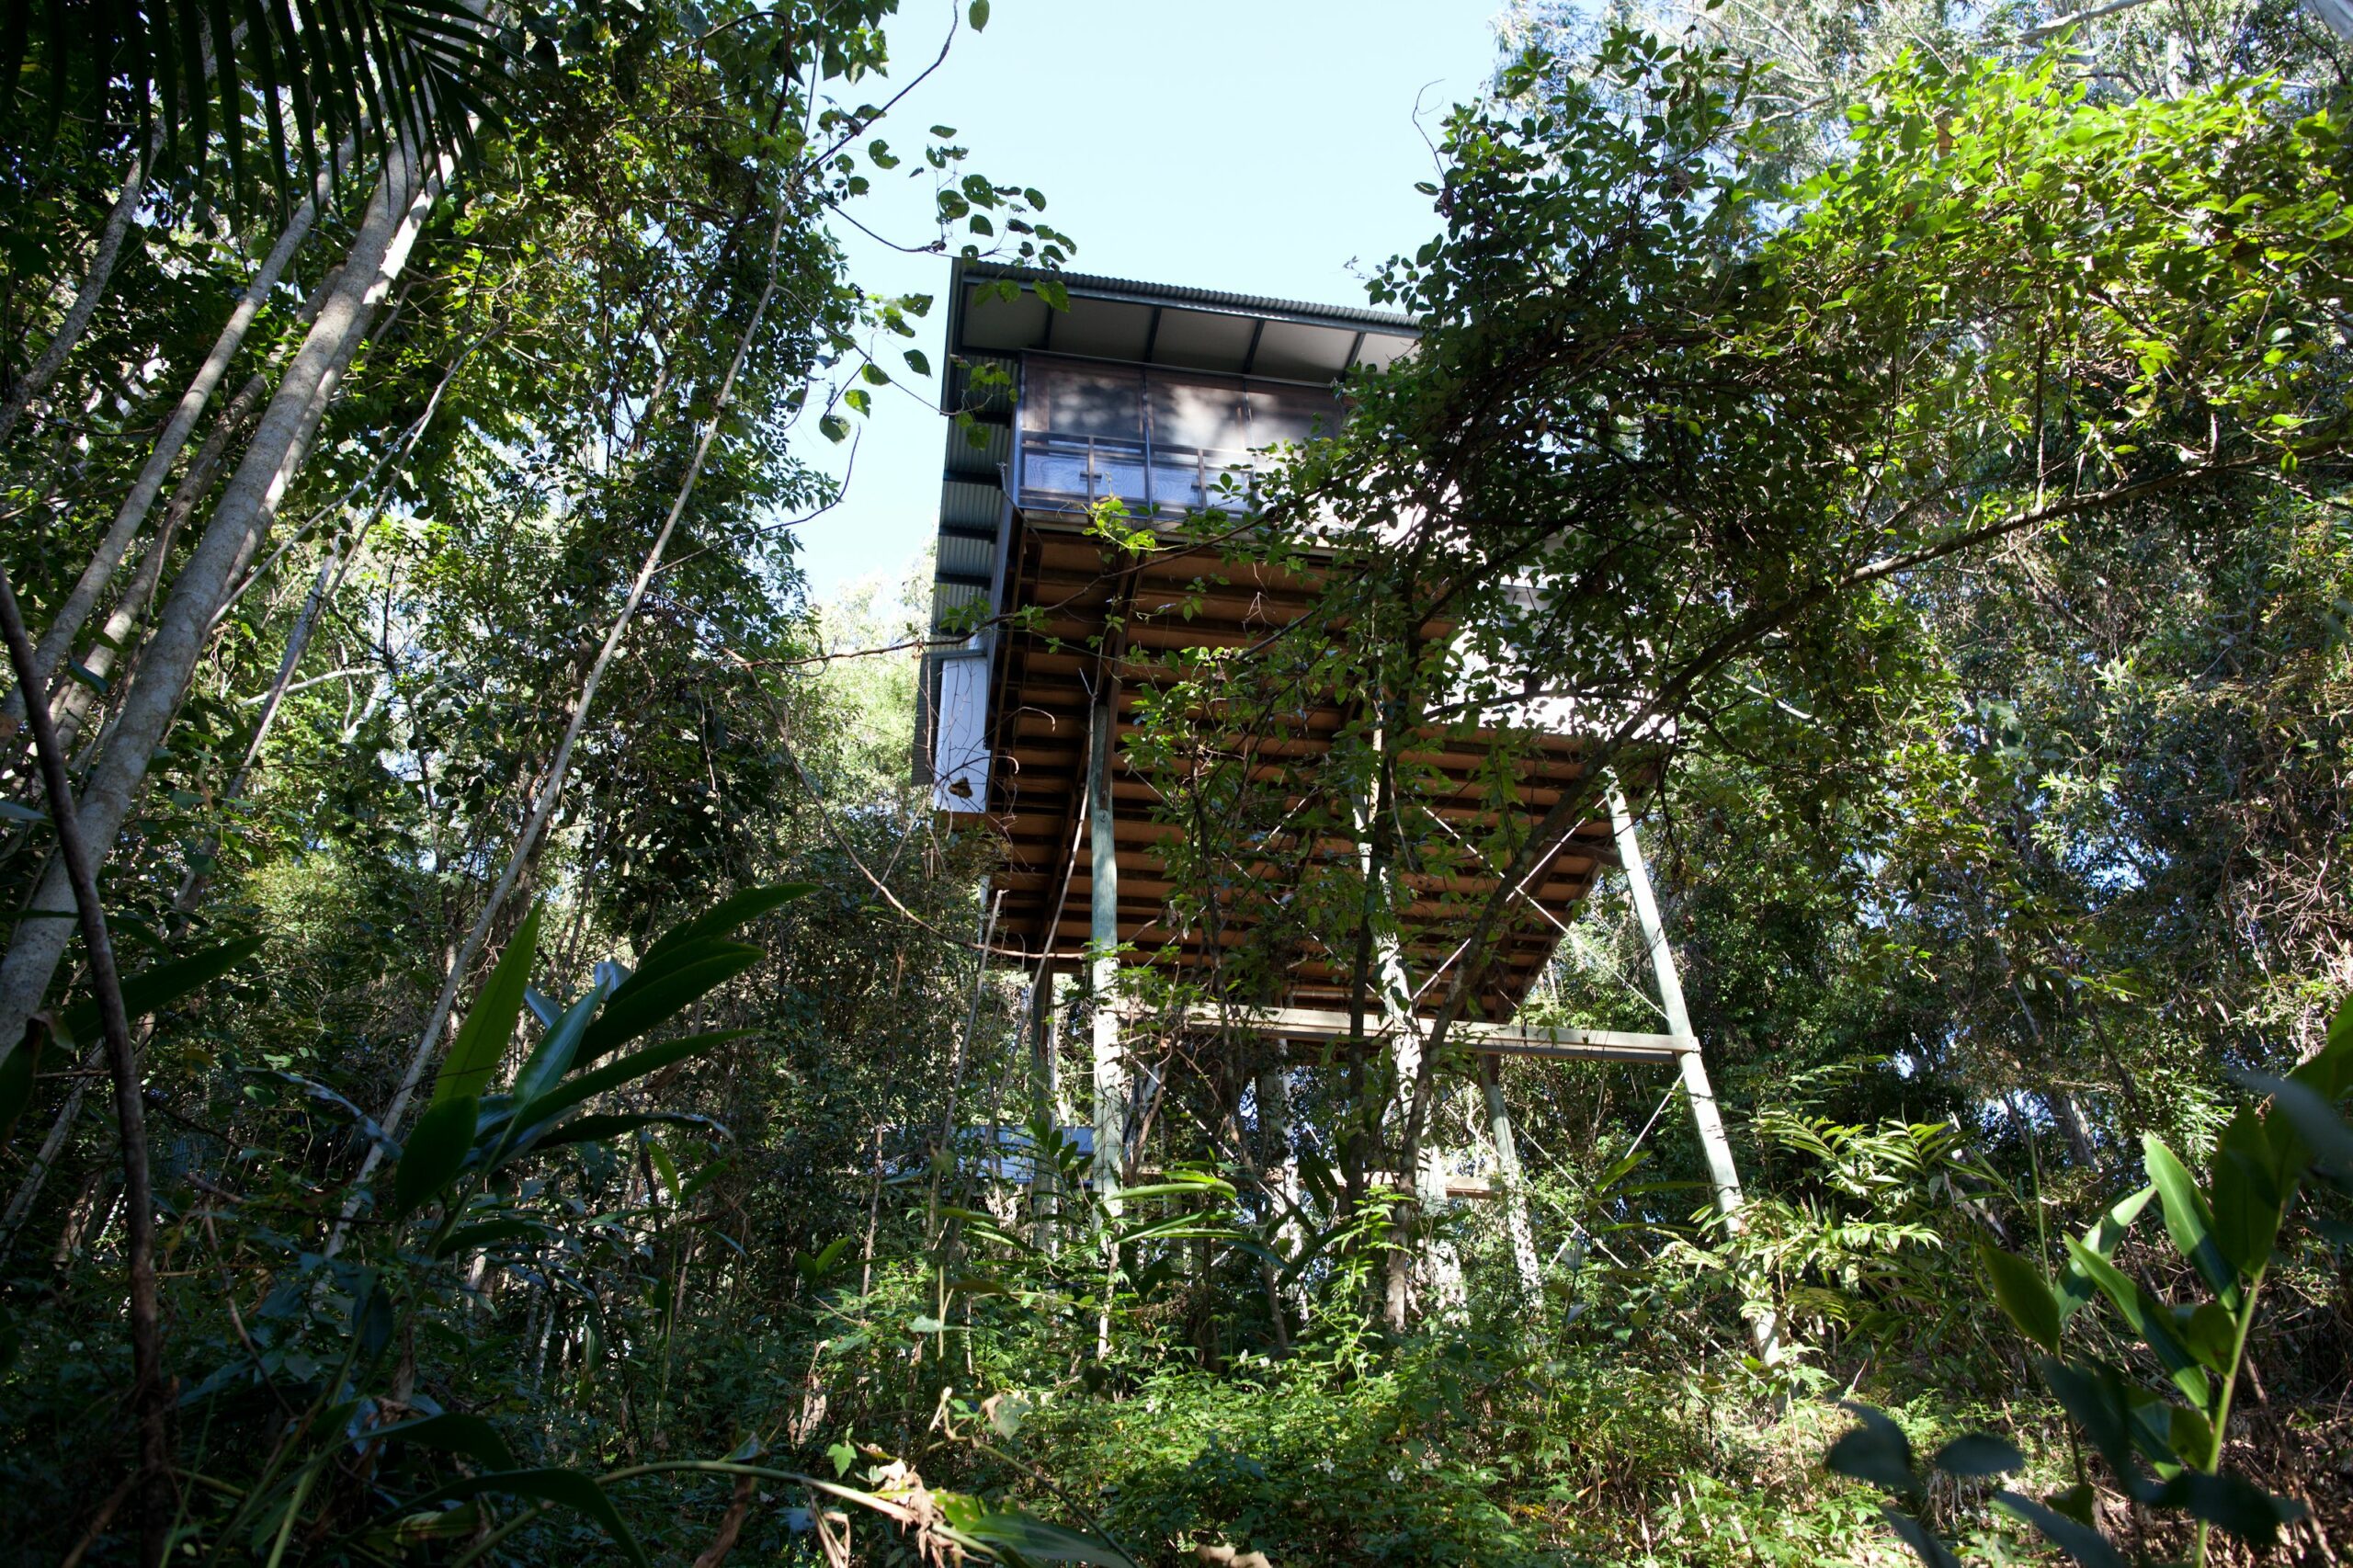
(499,1065)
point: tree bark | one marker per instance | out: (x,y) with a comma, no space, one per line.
(147,1397)
(86,303)
(247,507)
(57,641)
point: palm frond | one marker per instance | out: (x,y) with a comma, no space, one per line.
(272,87)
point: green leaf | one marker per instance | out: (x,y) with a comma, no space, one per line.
(978,14)
(489,1024)
(2096,1397)
(2249,1201)
(542,1111)
(436,1152)
(2075,1286)
(566,1489)
(594,1128)
(2236,1505)
(2211,1332)
(2189,1221)
(2150,1318)
(2315,1118)
(557,1049)
(2023,1293)
(456,1434)
(636,1009)
(1928,1548)
(1033,1538)
(157,987)
(482,1237)
(836,428)
(1876,1451)
(2078,1540)
(918,361)
(727,915)
(1977,1454)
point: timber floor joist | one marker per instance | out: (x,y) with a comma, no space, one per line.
(1047,666)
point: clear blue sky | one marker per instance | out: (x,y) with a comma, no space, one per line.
(1264,146)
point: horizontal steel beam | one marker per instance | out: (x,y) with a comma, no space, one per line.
(1486,1039)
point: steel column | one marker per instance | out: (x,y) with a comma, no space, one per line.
(1723,1174)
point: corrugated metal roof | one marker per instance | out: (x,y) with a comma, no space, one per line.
(1170,292)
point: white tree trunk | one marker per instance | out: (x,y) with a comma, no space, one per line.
(57,641)
(86,303)
(248,505)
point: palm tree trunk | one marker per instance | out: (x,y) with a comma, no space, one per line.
(57,641)
(248,505)
(85,303)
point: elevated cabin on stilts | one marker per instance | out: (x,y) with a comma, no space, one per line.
(1044,633)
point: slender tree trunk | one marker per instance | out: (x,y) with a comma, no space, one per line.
(147,1398)
(247,507)
(552,787)
(85,303)
(69,707)
(57,643)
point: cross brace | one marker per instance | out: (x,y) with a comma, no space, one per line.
(1481,1038)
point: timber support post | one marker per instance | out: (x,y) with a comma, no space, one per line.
(1724,1175)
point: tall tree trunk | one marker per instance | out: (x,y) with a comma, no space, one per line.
(85,303)
(57,641)
(69,707)
(148,1397)
(552,787)
(388,227)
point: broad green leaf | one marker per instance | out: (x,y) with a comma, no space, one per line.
(1977,1454)
(2096,1397)
(2074,1287)
(1034,1538)
(557,1049)
(2078,1540)
(490,1022)
(2236,1505)
(1914,1534)
(490,1233)
(2023,1293)
(593,1129)
(636,1008)
(1876,1451)
(566,1489)
(2189,1221)
(457,1434)
(1196,1188)
(978,14)
(2211,1332)
(539,1112)
(2150,1318)
(2248,1198)
(727,915)
(2324,1133)
(435,1152)
(157,987)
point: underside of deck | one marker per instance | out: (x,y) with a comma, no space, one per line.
(1047,666)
